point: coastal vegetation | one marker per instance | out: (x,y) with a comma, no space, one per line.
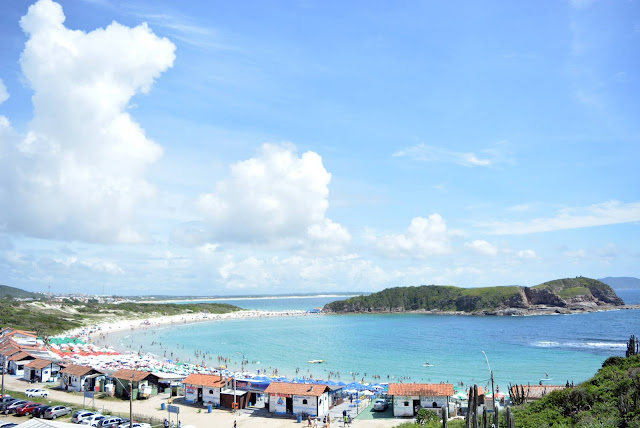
(609,399)
(562,295)
(49,318)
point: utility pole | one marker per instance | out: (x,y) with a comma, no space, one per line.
(3,362)
(493,393)
(131,401)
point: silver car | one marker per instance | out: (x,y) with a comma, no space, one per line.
(56,411)
(380,405)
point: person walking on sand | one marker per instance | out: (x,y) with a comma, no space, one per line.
(235,424)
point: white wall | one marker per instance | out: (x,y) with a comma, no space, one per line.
(399,406)
(299,407)
(212,397)
(190,393)
(428,401)
(277,404)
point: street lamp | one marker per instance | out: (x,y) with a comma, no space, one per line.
(493,394)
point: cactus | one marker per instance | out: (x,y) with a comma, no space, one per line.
(445,416)
(484,417)
(496,417)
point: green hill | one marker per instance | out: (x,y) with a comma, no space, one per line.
(560,295)
(609,399)
(17,293)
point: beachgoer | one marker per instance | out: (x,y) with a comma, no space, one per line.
(235,424)
(166,423)
(309,420)
(315,422)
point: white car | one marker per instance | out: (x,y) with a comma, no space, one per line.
(81,415)
(135,425)
(37,392)
(93,420)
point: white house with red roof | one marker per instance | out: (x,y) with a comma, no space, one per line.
(41,370)
(297,398)
(203,389)
(408,398)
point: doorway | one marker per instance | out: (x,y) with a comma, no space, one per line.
(289,405)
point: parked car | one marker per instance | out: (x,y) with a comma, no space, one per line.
(8,402)
(26,409)
(37,392)
(93,420)
(56,411)
(11,407)
(109,421)
(135,425)
(380,405)
(8,425)
(38,412)
(79,415)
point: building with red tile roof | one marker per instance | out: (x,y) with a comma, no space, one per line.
(204,388)
(79,378)
(408,398)
(141,382)
(41,370)
(296,398)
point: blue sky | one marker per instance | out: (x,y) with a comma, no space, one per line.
(272,147)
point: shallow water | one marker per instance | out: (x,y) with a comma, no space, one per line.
(396,346)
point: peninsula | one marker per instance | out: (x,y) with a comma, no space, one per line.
(560,296)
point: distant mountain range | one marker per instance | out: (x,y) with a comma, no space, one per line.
(622,282)
(567,295)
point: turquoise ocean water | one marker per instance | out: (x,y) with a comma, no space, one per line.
(394,346)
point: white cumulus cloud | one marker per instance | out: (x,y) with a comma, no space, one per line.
(424,237)
(79,172)
(274,196)
(527,254)
(482,247)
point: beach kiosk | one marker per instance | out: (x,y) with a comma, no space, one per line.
(18,361)
(79,378)
(41,370)
(408,398)
(144,384)
(297,398)
(203,389)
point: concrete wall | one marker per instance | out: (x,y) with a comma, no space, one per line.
(211,395)
(403,405)
(428,402)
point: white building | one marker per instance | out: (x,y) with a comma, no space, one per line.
(78,378)
(18,361)
(408,398)
(296,398)
(203,389)
(41,370)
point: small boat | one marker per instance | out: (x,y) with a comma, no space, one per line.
(546,379)
(316,361)
(427,365)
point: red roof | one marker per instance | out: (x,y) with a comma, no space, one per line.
(315,390)
(21,356)
(422,389)
(134,375)
(204,380)
(77,370)
(40,363)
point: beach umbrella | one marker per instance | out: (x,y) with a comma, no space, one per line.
(368,393)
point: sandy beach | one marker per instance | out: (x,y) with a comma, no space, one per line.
(193,415)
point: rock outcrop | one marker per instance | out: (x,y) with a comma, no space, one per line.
(558,296)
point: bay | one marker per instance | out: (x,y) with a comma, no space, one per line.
(396,346)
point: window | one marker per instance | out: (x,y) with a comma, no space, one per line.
(304,401)
(406,404)
(211,391)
